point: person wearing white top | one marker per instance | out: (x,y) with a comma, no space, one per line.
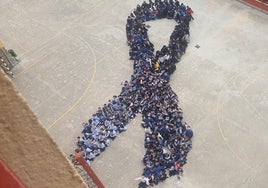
(144,181)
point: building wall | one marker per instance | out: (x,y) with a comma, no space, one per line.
(27,148)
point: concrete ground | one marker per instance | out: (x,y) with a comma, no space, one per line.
(74,57)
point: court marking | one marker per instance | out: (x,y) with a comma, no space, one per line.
(89,47)
(67,111)
(42,46)
(237,156)
(242,94)
(29,67)
(61,31)
(17,42)
(242,91)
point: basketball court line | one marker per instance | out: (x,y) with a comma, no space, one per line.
(237,156)
(89,47)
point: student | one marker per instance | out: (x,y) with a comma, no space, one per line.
(144,181)
(147,92)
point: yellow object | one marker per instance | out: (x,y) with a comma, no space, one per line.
(156,66)
(1,45)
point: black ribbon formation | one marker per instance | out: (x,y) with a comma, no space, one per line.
(167,136)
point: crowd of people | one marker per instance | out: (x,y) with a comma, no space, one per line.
(167,135)
(7,67)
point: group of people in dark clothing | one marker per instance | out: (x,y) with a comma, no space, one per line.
(167,136)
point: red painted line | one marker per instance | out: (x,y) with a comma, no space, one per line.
(261,4)
(8,178)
